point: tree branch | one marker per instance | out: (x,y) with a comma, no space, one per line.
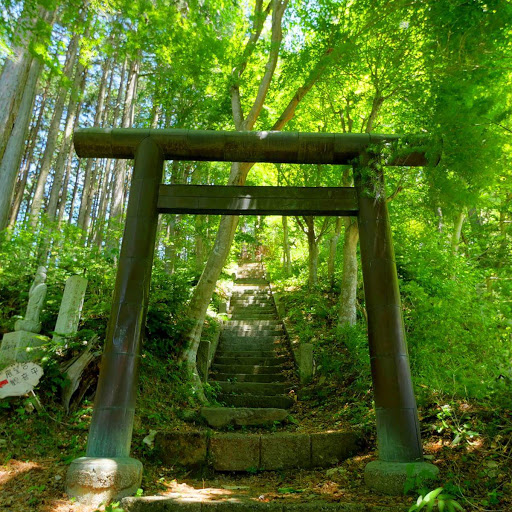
(270,66)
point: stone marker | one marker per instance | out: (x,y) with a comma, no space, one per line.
(70,308)
(305,360)
(22,344)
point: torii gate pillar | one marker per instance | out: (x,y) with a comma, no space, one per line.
(398,432)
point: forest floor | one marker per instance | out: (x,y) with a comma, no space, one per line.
(471,445)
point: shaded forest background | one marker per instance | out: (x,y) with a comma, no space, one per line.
(441,68)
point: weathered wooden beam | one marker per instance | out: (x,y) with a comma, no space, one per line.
(228,200)
(276,147)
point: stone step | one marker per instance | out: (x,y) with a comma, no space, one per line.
(249,347)
(251,360)
(250,339)
(247,377)
(251,300)
(240,503)
(251,280)
(246,369)
(254,388)
(241,332)
(219,417)
(246,353)
(274,401)
(252,308)
(252,323)
(242,316)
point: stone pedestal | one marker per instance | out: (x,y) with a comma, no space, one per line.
(95,480)
(70,308)
(20,347)
(392,477)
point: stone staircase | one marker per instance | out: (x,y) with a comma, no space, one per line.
(252,357)
(254,373)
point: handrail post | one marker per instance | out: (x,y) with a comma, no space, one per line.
(398,433)
(111,428)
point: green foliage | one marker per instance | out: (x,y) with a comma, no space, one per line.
(436,500)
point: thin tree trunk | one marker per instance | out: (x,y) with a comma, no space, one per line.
(89,186)
(333,245)
(102,207)
(53,132)
(457,230)
(312,252)
(75,192)
(127,121)
(287,261)
(347,311)
(65,146)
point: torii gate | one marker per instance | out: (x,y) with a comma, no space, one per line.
(108,472)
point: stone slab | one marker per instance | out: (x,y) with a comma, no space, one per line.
(390,477)
(70,308)
(285,451)
(254,388)
(276,401)
(183,448)
(329,448)
(235,452)
(21,347)
(219,417)
(158,504)
(93,480)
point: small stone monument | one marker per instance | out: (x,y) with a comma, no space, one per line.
(22,344)
(70,308)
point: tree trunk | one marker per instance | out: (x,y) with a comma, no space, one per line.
(75,192)
(102,207)
(333,245)
(312,252)
(13,153)
(65,145)
(287,261)
(15,72)
(457,230)
(89,186)
(348,290)
(53,132)
(127,121)
(20,190)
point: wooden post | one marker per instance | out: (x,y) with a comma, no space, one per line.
(112,422)
(398,431)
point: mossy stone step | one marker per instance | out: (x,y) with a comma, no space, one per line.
(254,388)
(248,377)
(241,332)
(250,301)
(230,352)
(240,308)
(251,280)
(252,323)
(253,316)
(258,338)
(253,360)
(219,417)
(241,452)
(246,368)
(272,401)
(229,503)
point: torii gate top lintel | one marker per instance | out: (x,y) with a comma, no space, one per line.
(225,146)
